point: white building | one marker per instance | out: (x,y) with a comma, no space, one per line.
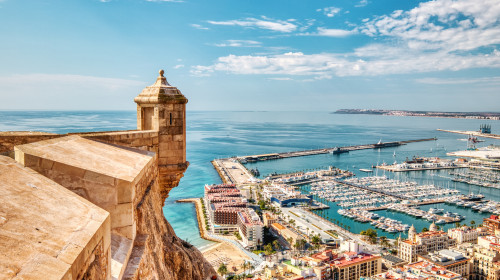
(351,246)
(463,234)
(250,228)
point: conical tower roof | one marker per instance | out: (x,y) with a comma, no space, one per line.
(160,92)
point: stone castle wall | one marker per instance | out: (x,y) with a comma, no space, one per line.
(10,139)
(143,244)
(169,144)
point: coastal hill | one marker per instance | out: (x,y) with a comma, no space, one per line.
(89,205)
(465,115)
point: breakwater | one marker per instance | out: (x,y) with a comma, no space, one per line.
(263,157)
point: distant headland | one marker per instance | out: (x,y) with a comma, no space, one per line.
(462,115)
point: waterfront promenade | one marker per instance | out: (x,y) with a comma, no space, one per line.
(315,224)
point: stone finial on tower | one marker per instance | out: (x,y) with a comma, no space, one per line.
(161,80)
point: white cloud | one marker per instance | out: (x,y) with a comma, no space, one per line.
(326,65)
(198,26)
(66,80)
(174,1)
(452,81)
(361,3)
(281,79)
(76,92)
(329,11)
(285,26)
(239,43)
(307,24)
(178,66)
(449,25)
(330,32)
(439,35)
(333,32)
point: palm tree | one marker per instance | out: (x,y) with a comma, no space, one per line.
(244,266)
(472,223)
(384,242)
(276,245)
(222,270)
(251,266)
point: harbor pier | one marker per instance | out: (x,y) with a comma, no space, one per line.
(232,170)
(263,157)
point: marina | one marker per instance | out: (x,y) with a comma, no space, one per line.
(480,177)
(423,195)
(357,197)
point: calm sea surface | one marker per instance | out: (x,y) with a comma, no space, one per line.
(222,134)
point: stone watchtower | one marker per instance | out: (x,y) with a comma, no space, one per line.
(162,108)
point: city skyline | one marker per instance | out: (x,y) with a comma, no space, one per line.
(231,55)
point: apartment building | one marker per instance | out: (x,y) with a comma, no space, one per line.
(422,243)
(352,265)
(250,228)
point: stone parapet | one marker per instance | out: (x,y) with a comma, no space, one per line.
(58,236)
(9,139)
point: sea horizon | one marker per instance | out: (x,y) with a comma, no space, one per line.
(220,134)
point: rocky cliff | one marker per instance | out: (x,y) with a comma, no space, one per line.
(164,255)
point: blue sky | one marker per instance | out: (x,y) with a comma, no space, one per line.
(252,55)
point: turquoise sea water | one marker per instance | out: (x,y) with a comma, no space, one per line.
(221,134)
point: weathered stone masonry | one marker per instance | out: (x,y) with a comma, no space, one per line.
(128,174)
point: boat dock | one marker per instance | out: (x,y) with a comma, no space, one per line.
(395,168)
(382,192)
(263,157)
(385,207)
